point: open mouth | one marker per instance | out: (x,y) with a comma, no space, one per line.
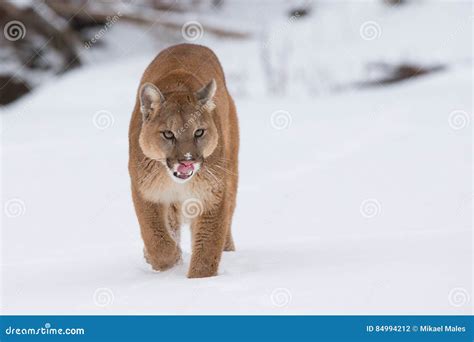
(184,170)
(183,175)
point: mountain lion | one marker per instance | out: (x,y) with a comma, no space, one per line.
(184,142)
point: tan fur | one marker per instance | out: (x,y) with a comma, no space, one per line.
(179,72)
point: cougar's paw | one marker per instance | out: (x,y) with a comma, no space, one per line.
(202,270)
(163,261)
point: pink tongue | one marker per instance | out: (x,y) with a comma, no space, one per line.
(185,168)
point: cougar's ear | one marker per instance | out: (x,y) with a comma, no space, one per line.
(206,94)
(151,99)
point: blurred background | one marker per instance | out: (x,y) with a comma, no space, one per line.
(276,47)
(355,183)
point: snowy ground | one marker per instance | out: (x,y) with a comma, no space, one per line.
(299,227)
(363,207)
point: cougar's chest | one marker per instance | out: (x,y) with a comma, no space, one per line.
(166,191)
(160,192)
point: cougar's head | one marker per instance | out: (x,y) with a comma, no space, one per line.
(178,129)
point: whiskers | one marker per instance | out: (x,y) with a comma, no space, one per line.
(225,170)
(211,172)
(217,170)
(222,163)
(151,168)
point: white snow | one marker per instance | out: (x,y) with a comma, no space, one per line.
(360,204)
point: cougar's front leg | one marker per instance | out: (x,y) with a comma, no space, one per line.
(161,249)
(209,235)
(174,222)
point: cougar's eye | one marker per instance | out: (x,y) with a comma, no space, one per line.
(168,134)
(199,133)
